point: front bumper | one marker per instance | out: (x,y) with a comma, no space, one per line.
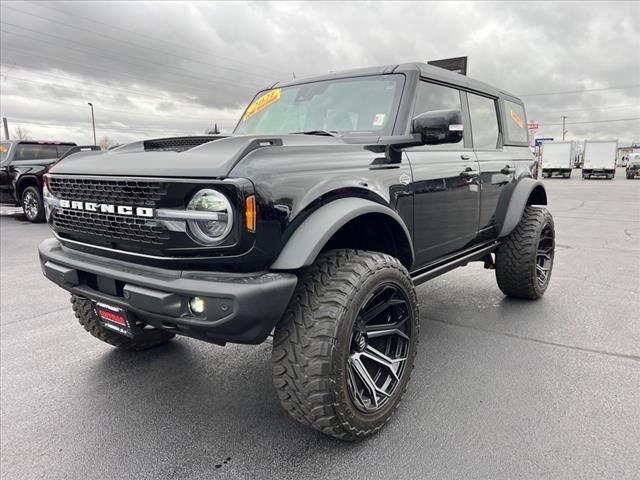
(240,308)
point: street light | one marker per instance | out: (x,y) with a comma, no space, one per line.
(93,122)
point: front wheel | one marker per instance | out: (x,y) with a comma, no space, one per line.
(344,349)
(524,261)
(32,205)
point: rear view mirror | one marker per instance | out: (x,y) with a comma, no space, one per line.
(439,126)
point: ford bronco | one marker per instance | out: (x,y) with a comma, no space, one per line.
(314,222)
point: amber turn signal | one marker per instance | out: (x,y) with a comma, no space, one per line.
(250,213)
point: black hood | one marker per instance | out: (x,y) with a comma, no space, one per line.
(213,159)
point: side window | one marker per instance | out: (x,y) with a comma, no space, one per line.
(431,96)
(484,121)
(516,122)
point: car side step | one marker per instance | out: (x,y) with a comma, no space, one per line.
(449,263)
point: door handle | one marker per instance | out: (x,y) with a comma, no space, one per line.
(469,172)
(464,156)
(507,170)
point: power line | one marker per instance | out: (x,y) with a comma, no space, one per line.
(219,79)
(85,82)
(593,121)
(118,58)
(93,67)
(82,105)
(155,39)
(605,107)
(102,127)
(93,32)
(579,91)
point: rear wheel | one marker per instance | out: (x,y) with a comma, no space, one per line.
(147,338)
(32,205)
(344,349)
(524,261)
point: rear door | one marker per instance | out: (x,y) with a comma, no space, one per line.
(497,165)
(446,190)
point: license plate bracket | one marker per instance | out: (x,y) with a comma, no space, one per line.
(115,319)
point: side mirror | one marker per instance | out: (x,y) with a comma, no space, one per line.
(438,126)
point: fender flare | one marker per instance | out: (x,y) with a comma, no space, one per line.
(21,180)
(307,241)
(511,207)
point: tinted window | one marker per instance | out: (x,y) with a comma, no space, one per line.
(27,151)
(516,122)
(361,105)
(4,151)
(430,97)
(484,121)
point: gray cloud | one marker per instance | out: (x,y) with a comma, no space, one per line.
(177,68)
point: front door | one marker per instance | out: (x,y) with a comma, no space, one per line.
(446,189)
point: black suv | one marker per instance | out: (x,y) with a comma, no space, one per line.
(314,222)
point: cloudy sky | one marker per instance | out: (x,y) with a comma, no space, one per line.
(171,68)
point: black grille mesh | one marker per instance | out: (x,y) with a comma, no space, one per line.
(175,144)
(118,192)
(108,227)
(111,227)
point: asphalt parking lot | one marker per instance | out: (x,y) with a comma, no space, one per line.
(502,389)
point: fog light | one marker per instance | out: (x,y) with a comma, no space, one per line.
(196,305)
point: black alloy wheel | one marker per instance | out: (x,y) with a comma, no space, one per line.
(544,255)
(379,348)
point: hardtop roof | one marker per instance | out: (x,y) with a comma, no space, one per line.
(424,70)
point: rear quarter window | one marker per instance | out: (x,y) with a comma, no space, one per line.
(516,124)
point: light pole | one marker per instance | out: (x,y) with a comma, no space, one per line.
(93,122)
(564,132)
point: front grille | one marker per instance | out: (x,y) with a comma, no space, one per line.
(119,192)
(109,227)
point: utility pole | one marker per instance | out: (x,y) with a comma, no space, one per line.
(564,132)
(93,122)
(6,128)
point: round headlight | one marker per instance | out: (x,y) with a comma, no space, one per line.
(212,218)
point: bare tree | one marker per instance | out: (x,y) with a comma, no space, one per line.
(106,142)
(21,134)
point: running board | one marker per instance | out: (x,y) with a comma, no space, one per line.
(449,263)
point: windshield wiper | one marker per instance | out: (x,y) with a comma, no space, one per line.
(326,133)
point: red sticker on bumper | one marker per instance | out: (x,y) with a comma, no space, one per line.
(112,317)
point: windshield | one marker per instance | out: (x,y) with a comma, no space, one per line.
(28,151)
(350,106)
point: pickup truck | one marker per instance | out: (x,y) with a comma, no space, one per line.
(23,164)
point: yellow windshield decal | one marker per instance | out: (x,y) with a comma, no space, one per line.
(261,103)
(517,119)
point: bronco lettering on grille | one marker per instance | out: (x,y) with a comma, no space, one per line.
(108,208)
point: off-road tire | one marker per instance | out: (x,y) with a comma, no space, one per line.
(86,315)
(516,257)
(312,342)
(33,196)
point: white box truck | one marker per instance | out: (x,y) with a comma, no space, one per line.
(599,158)
(557,158)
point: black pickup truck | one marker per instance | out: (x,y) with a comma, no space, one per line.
(314,222)
(23,164)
